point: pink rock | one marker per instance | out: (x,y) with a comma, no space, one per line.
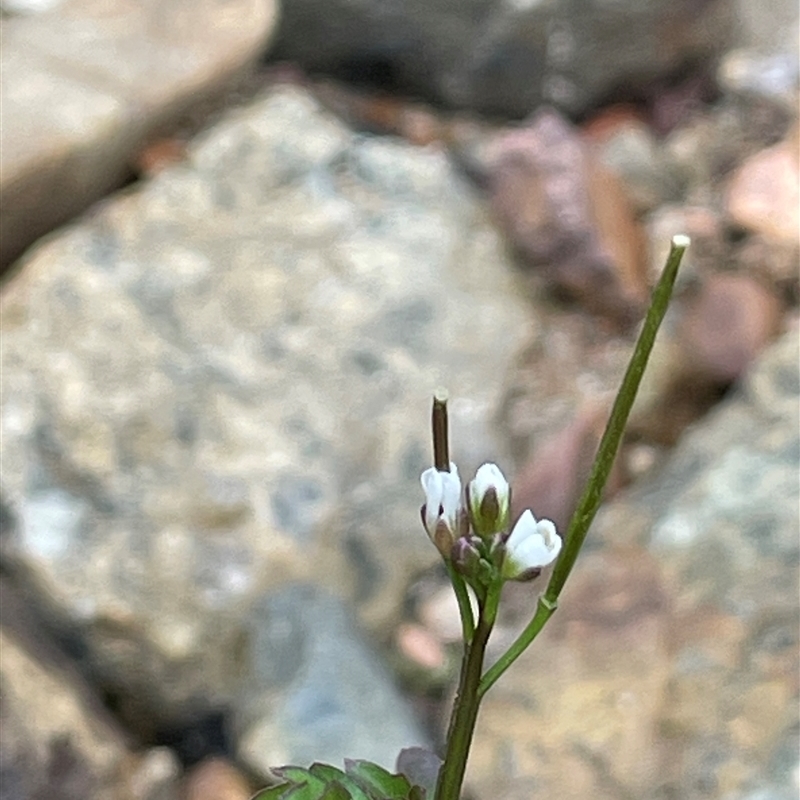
(439,614)
(551,483)
(566,214)
(216,779)
(420,646)
(727,325)
(763,195)
(610,120)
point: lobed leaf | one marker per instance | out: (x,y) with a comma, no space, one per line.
(378,780)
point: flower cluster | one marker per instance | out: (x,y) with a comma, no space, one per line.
(474,535)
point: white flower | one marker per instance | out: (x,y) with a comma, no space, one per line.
(489,497)
(442,498)
(531,546)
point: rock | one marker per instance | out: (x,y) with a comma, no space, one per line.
(673,103)
(86,84)
(216,779)
(712,334)
(670,668)
(439,614)
(672,394)
(566,214)
(220,383)
(28,6)
(576,712)
(716,140)
(769,262)
(551,483)
(159,155)
(316,692)
(503,58)
(763,194)
(627,147)
(570,362)
(775,263)
(57,741)
(754,76)
(420,647)
(383,113)
(726,326)
(769,27)
(156,776)
(703,225)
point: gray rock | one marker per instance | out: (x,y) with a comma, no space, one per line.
(221,382)
(768,27)
(633,153)
(85,85)
(58,741)
(28,6)
(503,57)
(754,76)
(734,493)
(316,692)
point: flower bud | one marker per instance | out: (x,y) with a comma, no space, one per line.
(443,513)
(489,499)
(466,555)
(531,546)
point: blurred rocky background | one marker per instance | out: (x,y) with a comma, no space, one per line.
(242,243)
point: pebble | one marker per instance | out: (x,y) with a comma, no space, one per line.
(569,216)
(763,196)
(420,646)
(216,779)
(727,325)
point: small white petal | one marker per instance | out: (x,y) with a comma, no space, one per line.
(531,545)
(451,497)
(432,486)
(525,527)
(442,491)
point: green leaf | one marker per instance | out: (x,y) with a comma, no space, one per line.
(295,774)
(326,772)
(335,791)
(303,791)
(331,774)
(306,786)
(377,779)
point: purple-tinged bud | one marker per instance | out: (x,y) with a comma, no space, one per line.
(466,555)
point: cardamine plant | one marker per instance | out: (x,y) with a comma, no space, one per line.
(482,551)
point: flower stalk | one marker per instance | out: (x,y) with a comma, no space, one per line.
(589,502)
(480,554)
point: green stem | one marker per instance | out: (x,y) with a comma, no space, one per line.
(464,606)
(464,715)
(606,453)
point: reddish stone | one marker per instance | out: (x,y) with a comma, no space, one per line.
(606,123)
(159,155)
(551,483)
(216,779)
(567,215)
(763,194)
(420,646)
(727,325)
